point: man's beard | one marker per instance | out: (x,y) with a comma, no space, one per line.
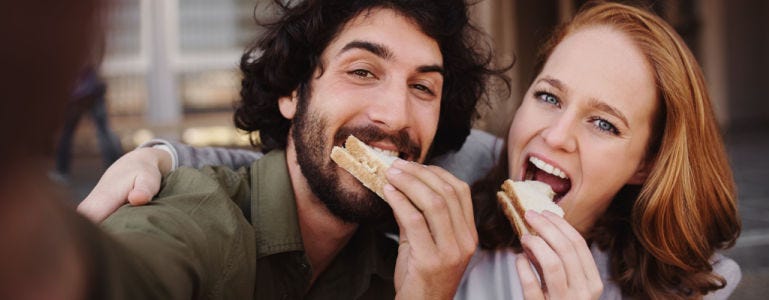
(354,204)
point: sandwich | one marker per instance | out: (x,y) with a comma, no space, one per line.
(365,163)
(516,197)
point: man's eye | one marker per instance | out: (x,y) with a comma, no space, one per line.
(362,73)
(423,88)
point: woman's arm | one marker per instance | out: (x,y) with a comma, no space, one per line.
(188,156)
(135,177)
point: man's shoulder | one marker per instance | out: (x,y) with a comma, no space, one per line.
(193,195)
(192,232)
(207,178)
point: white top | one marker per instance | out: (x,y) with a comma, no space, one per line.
(493,275)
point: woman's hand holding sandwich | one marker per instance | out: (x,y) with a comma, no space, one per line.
(561,257)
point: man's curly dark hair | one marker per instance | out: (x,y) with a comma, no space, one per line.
(288,53)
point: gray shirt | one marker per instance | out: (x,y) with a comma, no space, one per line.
(493,275)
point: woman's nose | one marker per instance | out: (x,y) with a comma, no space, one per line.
(560,134)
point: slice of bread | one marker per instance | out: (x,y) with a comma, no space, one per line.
(517,197)
(364,163)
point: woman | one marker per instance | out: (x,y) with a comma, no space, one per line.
(618,122)
(620,107)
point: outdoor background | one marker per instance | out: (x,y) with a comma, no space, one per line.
(171,69)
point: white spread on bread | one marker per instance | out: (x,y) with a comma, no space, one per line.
(386,156)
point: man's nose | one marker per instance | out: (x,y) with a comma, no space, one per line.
(561,132)
(390,110)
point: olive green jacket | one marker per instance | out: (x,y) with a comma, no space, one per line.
(216,233)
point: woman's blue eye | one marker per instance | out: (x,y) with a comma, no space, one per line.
(604,125)
(548,98)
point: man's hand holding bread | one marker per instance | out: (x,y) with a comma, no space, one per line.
(433,210)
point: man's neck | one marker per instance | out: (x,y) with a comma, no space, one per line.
(323,234)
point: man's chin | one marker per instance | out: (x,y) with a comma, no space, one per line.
(356,190)
(353,186)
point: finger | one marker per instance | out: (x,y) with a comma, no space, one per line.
(462,189)
(455,193)
(461,210)
(561,244)
(550,264)
(97,205)
(411,222)
(430,203)
(529,281)
(139,196)
(145,186)
(580,245)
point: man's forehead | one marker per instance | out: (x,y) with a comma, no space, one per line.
(386,33)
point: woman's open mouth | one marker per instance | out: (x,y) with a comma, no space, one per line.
(539,170)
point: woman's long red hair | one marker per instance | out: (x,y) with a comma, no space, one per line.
(660,236)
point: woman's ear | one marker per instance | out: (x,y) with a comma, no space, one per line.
(644,168)
(287,105)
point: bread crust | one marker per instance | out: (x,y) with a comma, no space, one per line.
(357,159)
(514,208)
(514,212)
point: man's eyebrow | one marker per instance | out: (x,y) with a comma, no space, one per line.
(377,49)
(385,53)
(432,68)
(605,107)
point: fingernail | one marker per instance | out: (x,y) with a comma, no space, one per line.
(531,214)
(394,171)
(388,187)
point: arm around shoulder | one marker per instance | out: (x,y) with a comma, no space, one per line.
(186,155)
(192,241)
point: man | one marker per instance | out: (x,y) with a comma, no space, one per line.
(401,76)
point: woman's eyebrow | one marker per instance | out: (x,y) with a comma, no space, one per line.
(596,103)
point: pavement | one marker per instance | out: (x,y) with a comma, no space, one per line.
(747,147)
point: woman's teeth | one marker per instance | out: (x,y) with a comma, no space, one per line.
(547,167)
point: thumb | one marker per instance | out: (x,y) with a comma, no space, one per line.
(145,187)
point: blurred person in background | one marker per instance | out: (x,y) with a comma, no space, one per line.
(44,246)
(88,97)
